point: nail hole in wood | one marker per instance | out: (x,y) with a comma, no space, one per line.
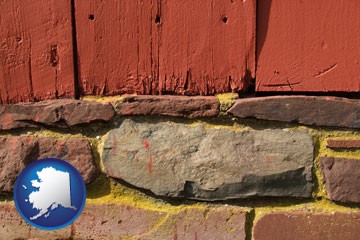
(157,20)
(225,19)
(91,17)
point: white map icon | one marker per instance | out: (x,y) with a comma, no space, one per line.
(54,191)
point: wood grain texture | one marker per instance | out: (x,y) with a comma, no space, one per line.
(36,54)
(206,47)
(307,45)
(165,46)
(114,41)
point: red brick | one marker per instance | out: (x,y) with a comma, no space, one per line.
(343,144)
(308,110)
(225,223)
(12,226)
(308,226)
(308,46)
(117,221)
(111,221)
(176,106)
(18,151)
(342,178)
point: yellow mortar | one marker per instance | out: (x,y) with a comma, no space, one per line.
(227,100)
(104,190)
(320,141)
(44,133)
(103,99)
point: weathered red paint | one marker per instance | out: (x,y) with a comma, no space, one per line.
(157,47)
(36,53)
(114,40)
(150,164)
(206,47)
(308,45)
(147,147)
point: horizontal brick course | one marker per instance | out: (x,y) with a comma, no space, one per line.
(343,144)
(118,221)
(308,226)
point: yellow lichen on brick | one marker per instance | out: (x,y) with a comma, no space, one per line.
(348,153)
(320,142)
(106,99)
(226,100)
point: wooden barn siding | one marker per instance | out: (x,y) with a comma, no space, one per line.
(184,47)
(165,46)
(36,53)
(308,46)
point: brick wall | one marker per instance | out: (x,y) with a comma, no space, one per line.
(175,167)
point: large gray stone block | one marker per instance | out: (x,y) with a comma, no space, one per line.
(197,162)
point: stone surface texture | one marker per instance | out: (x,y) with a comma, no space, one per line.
(18,151)
(343,144)
(342,178)
(58,113)
(193,161)
(119,221)
(324,111)
(176,106)
(12,226)
(307,226)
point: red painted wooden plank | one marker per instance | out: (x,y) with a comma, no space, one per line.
(114,41)
(36,60)
(206,47)
(158,46)
(306,45)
